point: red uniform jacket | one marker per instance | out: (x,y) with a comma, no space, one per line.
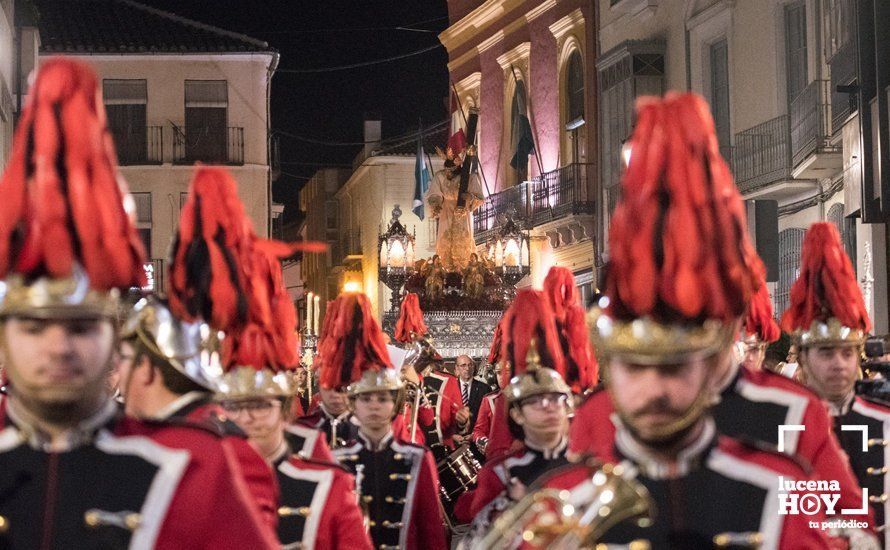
(699,498)
(500,441)
(257,474)
(751,407)
(426,417)
(484,419)
(308,442)
(212,507)
(525,465)
(327,491)
(446,400)
(400,485)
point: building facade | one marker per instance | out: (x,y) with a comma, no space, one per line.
(770,70)
(177,92)
(321,223)
(511,59)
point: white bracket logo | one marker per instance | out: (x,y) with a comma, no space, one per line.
(783,428)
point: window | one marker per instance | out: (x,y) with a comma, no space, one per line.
(720,93)
(838,22)
(790,242)
(846,227)
(125,102)
(206,118)
(631,70)
(796,48)
(584,283)
(143,218)
(519,127)
(331,214)
(574,116)
(575,89)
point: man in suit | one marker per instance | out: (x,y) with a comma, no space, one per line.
(472,392)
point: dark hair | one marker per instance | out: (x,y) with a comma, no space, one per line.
(173,380)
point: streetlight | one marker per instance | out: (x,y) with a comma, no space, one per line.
(509,253)
(396,257)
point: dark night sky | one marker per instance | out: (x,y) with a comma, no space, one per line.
(330,106)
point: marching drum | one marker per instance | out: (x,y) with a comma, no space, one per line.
(457,474)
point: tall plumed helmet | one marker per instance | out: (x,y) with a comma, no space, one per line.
(353,350)
(410,325)
(826,306)
(66,238)
(529,318)
(225,274)
(682,267)
(759,321)
(582,370)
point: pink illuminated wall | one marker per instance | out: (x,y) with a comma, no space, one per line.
(542,85)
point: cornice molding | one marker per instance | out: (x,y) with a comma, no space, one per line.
(567,24)
(540,9)
(475,22)
(516,55)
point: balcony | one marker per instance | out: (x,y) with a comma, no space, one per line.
(549,197)
(812,153)
(140,147)
(762,155)
(208,145)
(843,73)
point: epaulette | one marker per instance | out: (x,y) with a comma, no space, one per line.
(325,463)
(874,400)
(178,422)
(585,460)
(795,383)
(591,392)
(752,444)
(222,424)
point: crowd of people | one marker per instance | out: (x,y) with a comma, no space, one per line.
(183,421)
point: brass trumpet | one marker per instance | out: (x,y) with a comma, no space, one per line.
(558,518)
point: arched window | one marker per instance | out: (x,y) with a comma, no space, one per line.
(790,241)
(519,108)
(574,90)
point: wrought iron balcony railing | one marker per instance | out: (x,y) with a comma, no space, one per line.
(550,196)
(811,122)
(141,146)
(208,145)
(762,154)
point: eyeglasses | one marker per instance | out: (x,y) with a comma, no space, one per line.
(546,400)
(258,410)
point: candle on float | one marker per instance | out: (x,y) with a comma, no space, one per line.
(308,312)
(316,312)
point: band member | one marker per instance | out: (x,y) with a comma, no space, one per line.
(417,416)
(73,472)
(681,274)
(582,371)
(396,482)
(760,329)
(753,404)
(829,322)
(301,402)
(539,403)
(332,416)
(317,508)
(162,378)
(492,432)
(542,418)
(472,391)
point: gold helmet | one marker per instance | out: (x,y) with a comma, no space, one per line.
(682,269)
(536,380)
(826,306)
(177,342)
